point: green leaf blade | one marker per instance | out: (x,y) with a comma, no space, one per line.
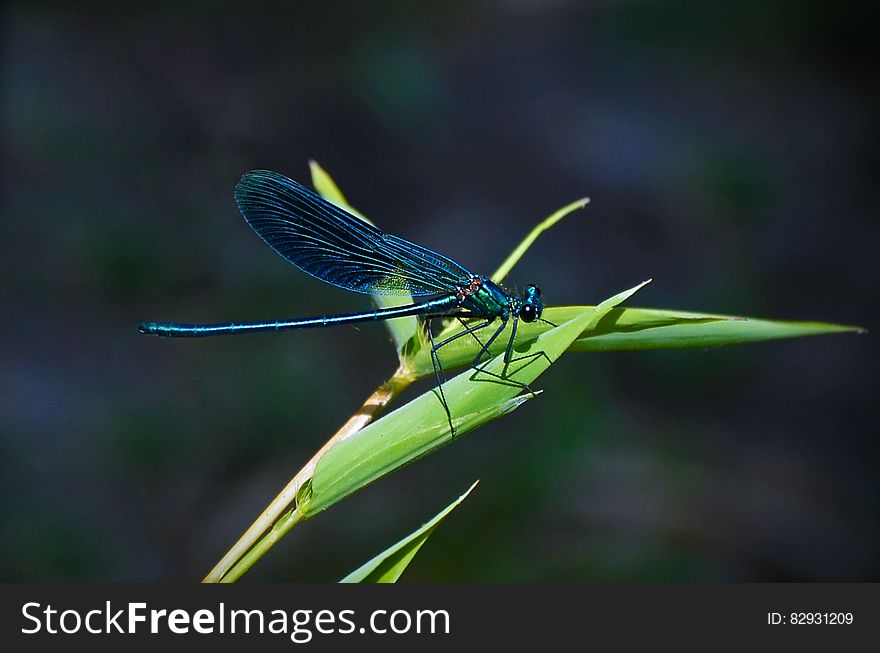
(420,427)
(504,269)
(391,563)
(631,329)
(628,329)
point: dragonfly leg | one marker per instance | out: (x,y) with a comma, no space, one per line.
(475,364)
(480,367)
(468,329)
(502,379)
(509,350)
(508,358)
(438,377)
(485,348)
(473,331)
(438,366)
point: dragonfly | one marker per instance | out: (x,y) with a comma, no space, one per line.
(341,249)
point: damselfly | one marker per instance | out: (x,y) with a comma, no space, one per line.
(327,242)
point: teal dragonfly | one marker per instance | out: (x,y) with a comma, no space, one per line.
(331,244)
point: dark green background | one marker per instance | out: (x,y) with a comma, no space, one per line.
(730,155)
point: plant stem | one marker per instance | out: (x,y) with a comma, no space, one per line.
(290,519)
(251,546)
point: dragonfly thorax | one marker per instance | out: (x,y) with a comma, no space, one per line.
(486,298)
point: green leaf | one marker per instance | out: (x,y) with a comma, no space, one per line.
(419,427)
(390,564)
(405,331)
(505,268)
(327,188)
(627,329)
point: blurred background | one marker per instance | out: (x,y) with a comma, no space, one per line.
(730,154)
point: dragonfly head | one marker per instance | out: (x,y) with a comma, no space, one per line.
(532,305)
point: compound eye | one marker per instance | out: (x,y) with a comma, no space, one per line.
(527,313)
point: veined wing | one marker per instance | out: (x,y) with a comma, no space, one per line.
(334,246)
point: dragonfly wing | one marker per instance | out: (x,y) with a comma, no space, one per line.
(336,247)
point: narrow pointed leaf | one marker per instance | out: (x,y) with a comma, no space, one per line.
(326,187)
(505,268)
(625,329)
(391,563)
(628,329)
(389,446)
